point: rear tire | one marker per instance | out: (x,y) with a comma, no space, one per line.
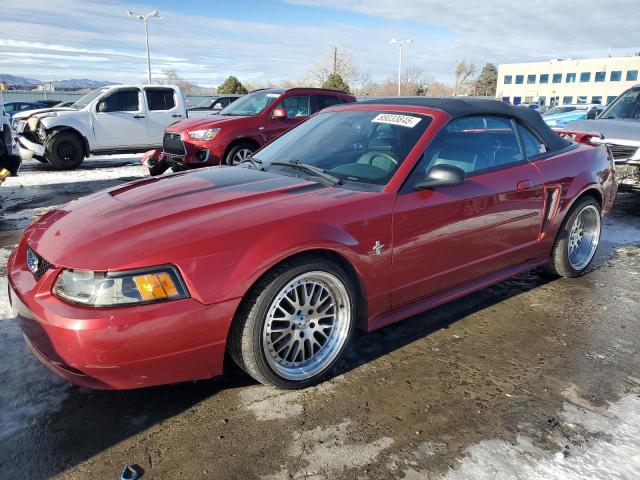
(64,151)
(239,153)
(577,240)
(295,323)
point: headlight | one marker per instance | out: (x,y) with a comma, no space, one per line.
(100,289)
(207,134)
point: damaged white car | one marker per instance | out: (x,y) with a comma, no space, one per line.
(619,125)
(117,119)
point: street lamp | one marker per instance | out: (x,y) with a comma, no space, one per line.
(145,19)
(400,43)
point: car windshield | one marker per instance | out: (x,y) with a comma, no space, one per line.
(88,98)
(206,103)
(250,105)
(626,106)
(356,146)
(557,110)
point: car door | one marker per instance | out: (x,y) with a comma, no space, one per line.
(119,120)
(162,111)
(445,237)
(298,109)
(323,101)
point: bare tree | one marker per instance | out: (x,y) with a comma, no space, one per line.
(366,82)
(174,79)
(463,73)
(337,60)
(414,81)
(439,89)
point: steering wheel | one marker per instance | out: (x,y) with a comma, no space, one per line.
(368,157)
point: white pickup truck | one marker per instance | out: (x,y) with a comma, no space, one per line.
(110,120)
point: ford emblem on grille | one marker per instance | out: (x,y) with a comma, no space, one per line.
(33,262)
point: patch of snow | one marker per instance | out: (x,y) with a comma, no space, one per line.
(272,404)
(327,451)
(612,453)
(29,389)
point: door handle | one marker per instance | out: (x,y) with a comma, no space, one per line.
(524,184)
(138,116)
(175,115)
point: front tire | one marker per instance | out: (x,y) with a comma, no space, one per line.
(295,323)
(577,240)
(64,151)
(239,153)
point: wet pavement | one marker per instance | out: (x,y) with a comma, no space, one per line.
(535,377)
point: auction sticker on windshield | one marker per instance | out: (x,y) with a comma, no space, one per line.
(394,119)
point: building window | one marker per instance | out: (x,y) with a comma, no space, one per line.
(567,100)
(531,79)
(557,78)
(517,100)
(528,99)
(542,101)
(597,99)
(611,98)
(519,79)
(616,76)
(600,76)
(632,75)
(571,78)
(544,78)
(582,99)
(508,79)
(506,99)
(585,77)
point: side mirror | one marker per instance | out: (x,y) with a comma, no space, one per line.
(102,107)
(279,113)
(441,176)
(592,114)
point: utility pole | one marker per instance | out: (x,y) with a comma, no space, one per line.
(145,19)
(400,43)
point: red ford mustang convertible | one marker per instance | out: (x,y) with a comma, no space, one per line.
(363,215)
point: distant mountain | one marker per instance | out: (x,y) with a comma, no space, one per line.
(74,83)
(15,80)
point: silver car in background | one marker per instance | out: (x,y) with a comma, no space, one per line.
(619,124)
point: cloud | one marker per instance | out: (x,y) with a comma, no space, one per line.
(97,39)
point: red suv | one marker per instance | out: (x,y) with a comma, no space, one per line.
(240,129)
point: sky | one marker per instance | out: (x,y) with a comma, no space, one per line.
(261,41)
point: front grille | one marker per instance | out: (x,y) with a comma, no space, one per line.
(43,265)
(172,144)
(621,152)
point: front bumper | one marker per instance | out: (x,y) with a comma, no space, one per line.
(28,149)
(118,348)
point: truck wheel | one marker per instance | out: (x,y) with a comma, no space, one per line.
(240,152)
(64,151)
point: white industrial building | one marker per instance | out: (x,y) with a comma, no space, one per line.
(561,82)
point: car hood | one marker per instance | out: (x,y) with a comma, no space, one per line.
(210,121)
(610,128)
(162,219)
(39,111)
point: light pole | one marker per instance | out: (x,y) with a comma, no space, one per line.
(400,43)
(145,19)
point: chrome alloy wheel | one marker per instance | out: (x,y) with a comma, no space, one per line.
(240,156)
(307,325)
(584,237)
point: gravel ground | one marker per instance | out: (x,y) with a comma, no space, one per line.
(533,378)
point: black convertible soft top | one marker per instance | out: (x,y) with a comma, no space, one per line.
(457,107)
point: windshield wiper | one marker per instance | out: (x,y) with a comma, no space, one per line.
(318,172)
(255,162)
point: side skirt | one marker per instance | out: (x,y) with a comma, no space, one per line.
(441,298)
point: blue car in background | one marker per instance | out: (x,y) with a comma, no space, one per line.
(559,116)
(14,107)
